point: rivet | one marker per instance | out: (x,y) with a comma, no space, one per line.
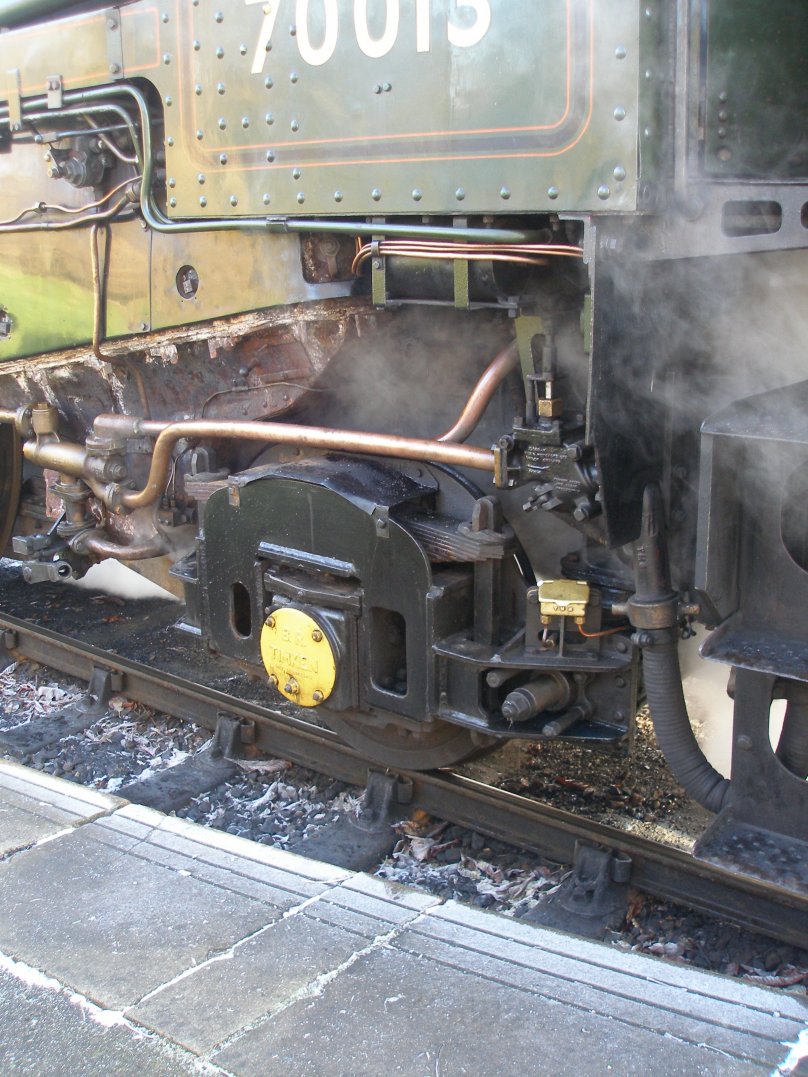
(377,88)
(220,87)
(723,97)
(233,200)
(172,202)
(296,173)
(553,192)
(222,123)
(200,134)
(203,201)
(388,86)
(200,177)
(504,193)
(603,192)
(649,74)
(619,173)
(417,195)
(198,89)
(744,743)
(460,194)
(266,199)
(293,77)
(376,194)
(222,158)
(197,44)
(723,115)
(170,140)
(245,121)
(295,125)
(270,155)
(722,132)
(268,83)
(301,197)
(337,196)
(172,182)
(619,113)
(292,30)
(114,69)
(725,154)
(317,635)
(164,18)
(219,16)
(620,52)
(112,24)
(648,13)
(377,263)
(219,53)
(243,50)
(166,57)
(269,119)
(647,132)
(169,101)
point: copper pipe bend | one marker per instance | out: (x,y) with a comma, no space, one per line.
(493,376)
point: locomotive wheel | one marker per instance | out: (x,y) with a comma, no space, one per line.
(441,745)
(10,482)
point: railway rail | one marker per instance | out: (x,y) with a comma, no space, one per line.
(138,653)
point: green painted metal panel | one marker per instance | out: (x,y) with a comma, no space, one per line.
(341,106)
(756,89)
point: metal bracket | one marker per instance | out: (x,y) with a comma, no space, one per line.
(55,91)
(114,43)
(103,683)
(593,898)
(226,738)
(15,99)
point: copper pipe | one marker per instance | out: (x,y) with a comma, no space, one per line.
(62,456)
(312,437)
(135,551)
(493,376)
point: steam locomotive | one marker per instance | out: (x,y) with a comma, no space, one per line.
(418,347)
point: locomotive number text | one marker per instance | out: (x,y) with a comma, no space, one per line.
(318,53)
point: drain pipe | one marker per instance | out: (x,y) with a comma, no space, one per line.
(654,612)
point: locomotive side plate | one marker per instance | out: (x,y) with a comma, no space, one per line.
(311,107)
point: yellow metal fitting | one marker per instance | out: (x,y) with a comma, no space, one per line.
(563,598)
(298,656)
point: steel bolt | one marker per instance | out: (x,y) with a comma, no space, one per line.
(114,69)
(317,696)
(317,635)
(270,622)
(273,680)
(292,689)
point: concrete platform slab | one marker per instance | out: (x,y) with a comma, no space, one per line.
(395,1013)
(45,1033)
(109,913)
(253,961)
(35,808)
(287,960)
